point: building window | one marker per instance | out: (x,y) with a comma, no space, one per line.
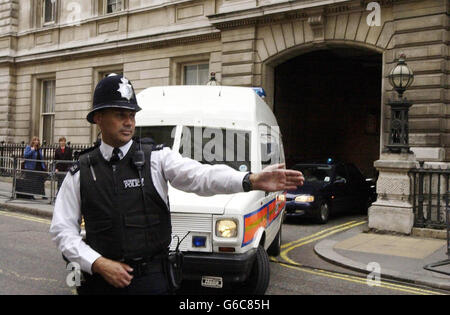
(113,6)
(48,110)
(197,74)
(49,11)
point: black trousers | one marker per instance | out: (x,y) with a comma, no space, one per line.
(153,282)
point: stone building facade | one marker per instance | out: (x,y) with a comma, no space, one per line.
(53,52)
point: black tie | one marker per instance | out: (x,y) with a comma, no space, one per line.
(115,156)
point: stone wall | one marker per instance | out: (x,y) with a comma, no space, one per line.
(243,42)
(76,79)
(421,32)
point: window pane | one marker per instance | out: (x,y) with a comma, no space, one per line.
(269,146)
(203,74)
(49,6)
(114,6)
(217,146)
(160,134)
(190,75)
(49,97)
(47,128)
(196,74)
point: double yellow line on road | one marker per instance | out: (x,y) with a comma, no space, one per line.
(315,237)
(24,217)
(289,263)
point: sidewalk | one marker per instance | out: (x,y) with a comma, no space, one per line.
(399,257)
(38,207)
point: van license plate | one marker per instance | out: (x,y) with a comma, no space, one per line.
(212,282)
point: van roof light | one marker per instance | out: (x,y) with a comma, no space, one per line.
(260,91)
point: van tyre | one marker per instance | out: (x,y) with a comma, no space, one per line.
(275,248)
(259,277)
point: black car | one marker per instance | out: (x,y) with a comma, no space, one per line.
(329,187)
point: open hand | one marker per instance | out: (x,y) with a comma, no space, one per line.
(276,178)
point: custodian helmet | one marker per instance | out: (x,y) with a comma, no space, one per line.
(114,91)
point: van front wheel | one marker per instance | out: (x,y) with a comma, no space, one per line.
(259,277)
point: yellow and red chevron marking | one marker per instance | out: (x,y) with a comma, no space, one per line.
(262,217)
(252,222)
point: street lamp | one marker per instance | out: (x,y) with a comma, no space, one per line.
(401,77)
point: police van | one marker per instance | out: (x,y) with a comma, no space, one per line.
(227,238)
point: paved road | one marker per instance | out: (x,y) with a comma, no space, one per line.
(31,264)
(29,261)
(298,270)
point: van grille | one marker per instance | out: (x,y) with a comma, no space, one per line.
(183,223)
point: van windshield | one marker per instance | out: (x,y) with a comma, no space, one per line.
(160,134)
(217,146)
(315,173)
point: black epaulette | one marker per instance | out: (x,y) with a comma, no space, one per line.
(80,153)
(75,168)
(158,147)
(149,141)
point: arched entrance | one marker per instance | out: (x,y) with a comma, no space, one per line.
(328,104)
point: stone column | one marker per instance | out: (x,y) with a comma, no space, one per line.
(8,29)
(393,210)
(7,102)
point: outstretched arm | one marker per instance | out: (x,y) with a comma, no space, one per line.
(207,180)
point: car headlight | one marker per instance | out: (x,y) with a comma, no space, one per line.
(226,228)
(304,198)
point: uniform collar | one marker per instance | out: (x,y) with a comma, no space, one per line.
(107,150)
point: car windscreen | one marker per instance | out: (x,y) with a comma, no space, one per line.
(217,146)
(315,173)
(160,134)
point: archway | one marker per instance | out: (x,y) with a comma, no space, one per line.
(328,104)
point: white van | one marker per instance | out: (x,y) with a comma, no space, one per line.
(228,234)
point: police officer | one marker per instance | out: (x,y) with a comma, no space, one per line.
(128,229)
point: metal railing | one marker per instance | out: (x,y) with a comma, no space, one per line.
(435,266)
(6,169)
(430,188)
(27,183)
(9,151)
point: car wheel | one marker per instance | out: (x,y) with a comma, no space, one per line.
(259,277)
(275,248)
(323,214)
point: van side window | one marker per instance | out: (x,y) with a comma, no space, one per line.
(217,146)
(160,134)
(270,146)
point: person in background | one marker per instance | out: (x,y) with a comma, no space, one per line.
(34,169)
(62,153)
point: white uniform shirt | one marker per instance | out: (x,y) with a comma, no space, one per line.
(166,166)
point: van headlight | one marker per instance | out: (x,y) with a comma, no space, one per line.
(304,198)
(226,228)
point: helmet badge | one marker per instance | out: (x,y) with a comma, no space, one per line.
(125,89)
